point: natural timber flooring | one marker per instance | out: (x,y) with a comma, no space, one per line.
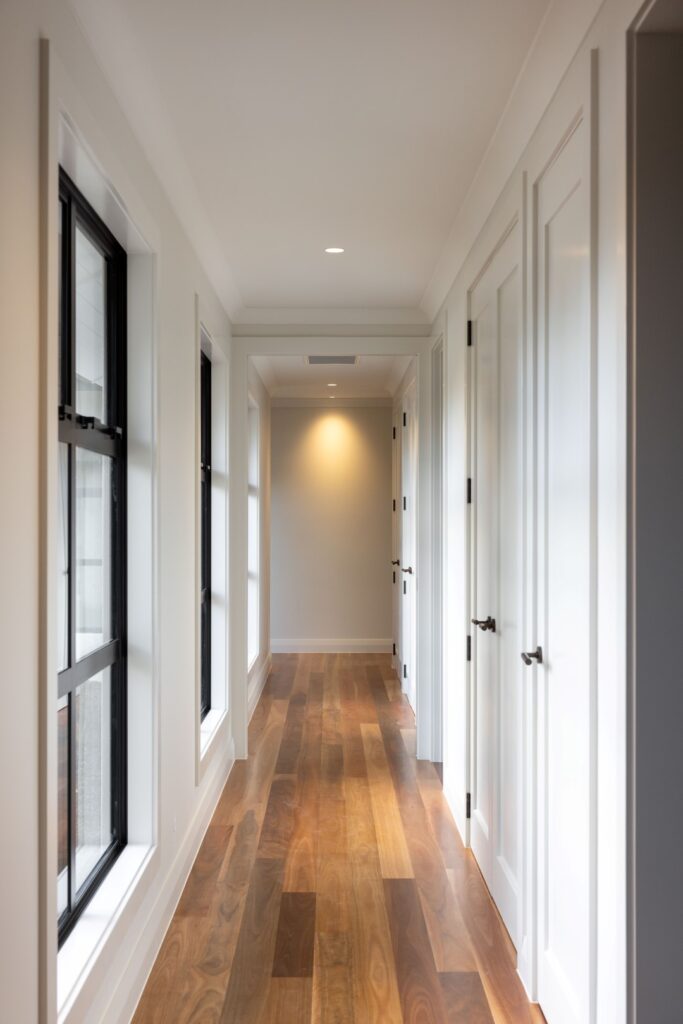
(332,886)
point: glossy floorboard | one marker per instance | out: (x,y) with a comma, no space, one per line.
(332,886)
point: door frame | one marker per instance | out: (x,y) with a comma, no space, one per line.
(302,340)
(516,222)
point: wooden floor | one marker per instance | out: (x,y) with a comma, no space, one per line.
(332,886)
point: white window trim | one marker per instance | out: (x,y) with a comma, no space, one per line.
(71,974)
(217,720)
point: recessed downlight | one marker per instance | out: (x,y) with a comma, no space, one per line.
(334,250)
(331,385)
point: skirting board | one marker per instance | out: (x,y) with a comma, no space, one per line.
(331,646)
(145,948)
(256,683)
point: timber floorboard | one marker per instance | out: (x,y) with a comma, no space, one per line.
(331,886)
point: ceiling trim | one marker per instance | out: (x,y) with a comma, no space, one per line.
(332,330)
(345,316)
(327,403)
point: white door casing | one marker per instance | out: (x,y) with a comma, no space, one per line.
(396,538)
(497,570)
(561,235)
(409,568)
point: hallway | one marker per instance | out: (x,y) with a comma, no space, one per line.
(331,885)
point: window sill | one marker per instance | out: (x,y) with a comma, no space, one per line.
(209,729)
(88,939)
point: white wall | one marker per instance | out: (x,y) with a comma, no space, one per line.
(181,807)
(331,528)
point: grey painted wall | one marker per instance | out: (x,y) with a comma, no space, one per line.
(657,530)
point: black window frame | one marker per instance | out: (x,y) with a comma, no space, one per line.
(205,535)
(89,433)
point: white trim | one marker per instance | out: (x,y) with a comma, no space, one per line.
(255,683)
(331,646)
(144,952)
(332,402)
(262,321)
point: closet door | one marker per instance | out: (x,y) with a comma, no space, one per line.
(496,601)
(561,234)
(408,567)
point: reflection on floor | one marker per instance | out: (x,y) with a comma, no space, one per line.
(332,886)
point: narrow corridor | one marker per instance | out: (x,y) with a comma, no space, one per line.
(332,885)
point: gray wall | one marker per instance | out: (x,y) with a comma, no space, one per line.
(657,530)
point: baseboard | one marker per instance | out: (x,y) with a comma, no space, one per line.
(331,646)
(151,934)
(255,684)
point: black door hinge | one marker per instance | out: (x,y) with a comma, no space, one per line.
(394,575)
(394,504)
(469,490)
(405,671)
(405,587)
(405,503)
(393,433)
(405,419)
(469,334)
(469,648)
(394,645)
(468,806)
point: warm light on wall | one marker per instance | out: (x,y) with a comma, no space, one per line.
(332,446)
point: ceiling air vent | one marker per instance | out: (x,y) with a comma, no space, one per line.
(332,360)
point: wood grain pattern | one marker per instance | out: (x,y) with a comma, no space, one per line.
(293,957)
(332,886)
(421,997)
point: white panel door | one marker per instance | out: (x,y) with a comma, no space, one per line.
(496,576)
(397,575)
(565,585)
(408,573)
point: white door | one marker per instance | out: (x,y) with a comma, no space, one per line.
(565,584)
(408,574)
(496,601)
(396,574)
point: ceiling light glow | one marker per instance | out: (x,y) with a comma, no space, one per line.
(331,385)
(334,250)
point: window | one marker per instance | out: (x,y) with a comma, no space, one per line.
(205,528)
(253,537)
(91,561)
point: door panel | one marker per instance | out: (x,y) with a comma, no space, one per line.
(396,539)
(564,584)
(409,543)
(496,531)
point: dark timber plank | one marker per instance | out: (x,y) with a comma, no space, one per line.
(251,969)
(295,933)
(422,1000)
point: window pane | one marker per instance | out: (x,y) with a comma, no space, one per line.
(62,804)
(93,550)
(91,337)
(63,560)
(92,753)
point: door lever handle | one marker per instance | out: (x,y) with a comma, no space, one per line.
(409,569)
(485,624)
(529,657)
(396,562)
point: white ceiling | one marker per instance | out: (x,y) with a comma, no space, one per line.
(293,377)
(279,128)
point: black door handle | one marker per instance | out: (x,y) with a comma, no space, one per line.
(529,657)
(485,624)
(397,562)
(409,569)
